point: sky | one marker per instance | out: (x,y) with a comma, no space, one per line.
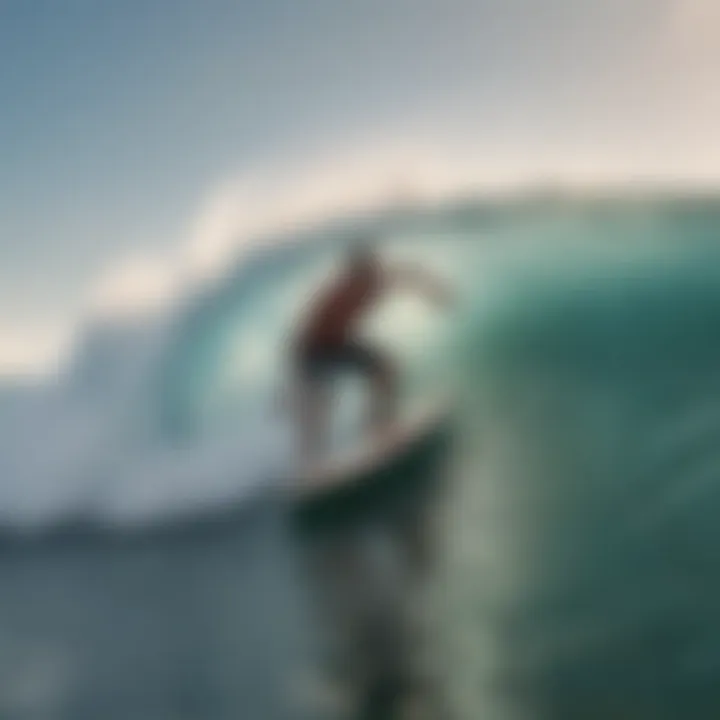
(142,141)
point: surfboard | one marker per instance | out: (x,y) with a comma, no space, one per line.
(372,455)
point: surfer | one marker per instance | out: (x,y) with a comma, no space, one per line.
(327,342)
(357,574)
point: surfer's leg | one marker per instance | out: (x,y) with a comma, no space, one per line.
(310,415)
(379,369)
(383,378)
(313,422)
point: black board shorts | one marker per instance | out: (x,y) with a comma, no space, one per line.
(322,361)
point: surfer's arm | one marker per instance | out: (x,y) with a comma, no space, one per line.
(411,277)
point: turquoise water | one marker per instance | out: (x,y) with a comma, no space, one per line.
(582,576)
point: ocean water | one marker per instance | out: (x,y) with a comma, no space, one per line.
(580,544)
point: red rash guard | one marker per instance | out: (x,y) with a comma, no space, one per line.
(336,312)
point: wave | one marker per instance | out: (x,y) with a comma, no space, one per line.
(176,413)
